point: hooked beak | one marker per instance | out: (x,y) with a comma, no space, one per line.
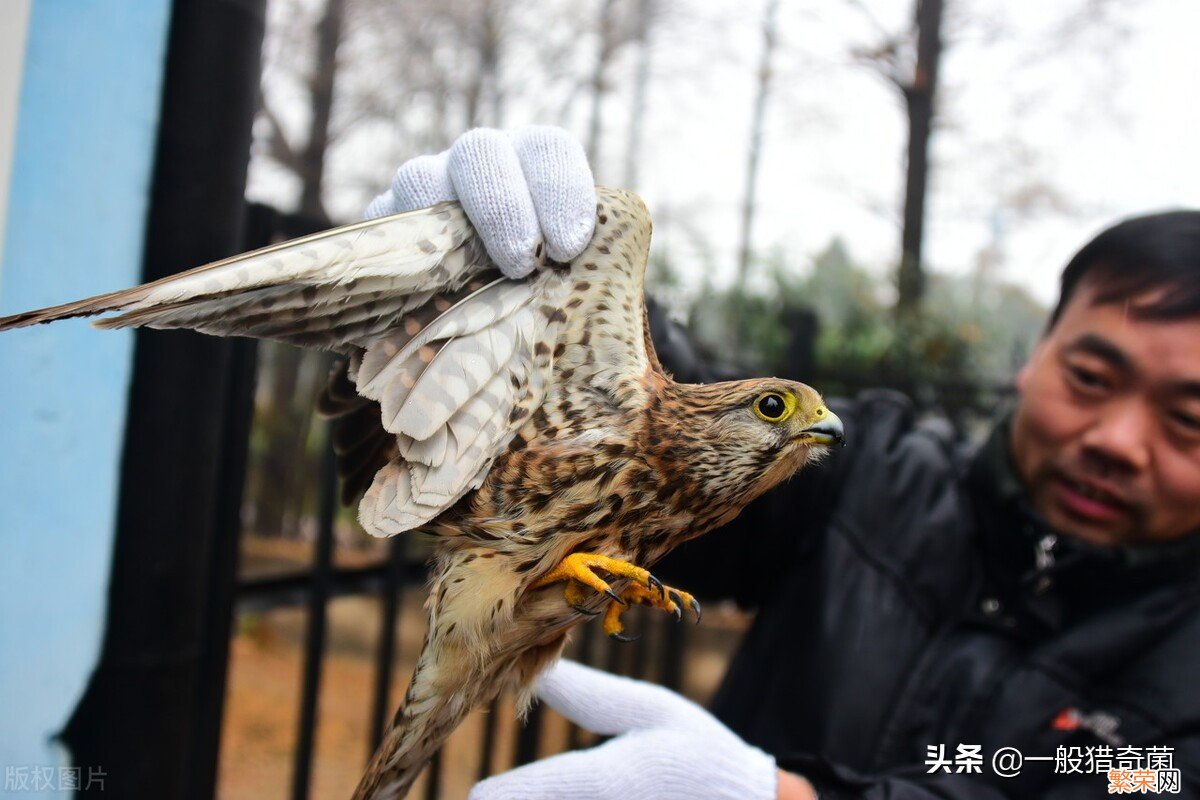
(827,430)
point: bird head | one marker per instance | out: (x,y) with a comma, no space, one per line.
(754,434)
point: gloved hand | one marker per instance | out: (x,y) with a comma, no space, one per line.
(519,189)
(665,747)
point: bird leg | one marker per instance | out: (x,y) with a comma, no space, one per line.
(645,589)
(579,567)
(664,598)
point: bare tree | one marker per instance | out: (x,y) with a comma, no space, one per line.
(770,36)
(916,76)
(307,160)
(917,82)
(329,36)
(919,97)
(414,74)
(643,23)
(487,34)
(606,29)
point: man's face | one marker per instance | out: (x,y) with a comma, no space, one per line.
(1106,436)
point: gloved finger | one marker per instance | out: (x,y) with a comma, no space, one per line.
(561,184)
(487,177)
(610,704)
(576,775)
(381,206)
(422,182)
(419,183)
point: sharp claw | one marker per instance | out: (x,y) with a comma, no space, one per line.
(678,601)
(583,610)
(696,610)
(655,583)
(615,596)
(620,637)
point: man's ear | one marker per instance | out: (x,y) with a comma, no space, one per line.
(1023,376)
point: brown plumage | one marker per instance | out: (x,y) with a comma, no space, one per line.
(528,424)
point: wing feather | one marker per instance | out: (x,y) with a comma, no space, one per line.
(473,313)
(449,359)
(457,390)
(331,290)
(459,370)
(603,345)
(461,412)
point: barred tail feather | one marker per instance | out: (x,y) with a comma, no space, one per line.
(481,641)
(429,715)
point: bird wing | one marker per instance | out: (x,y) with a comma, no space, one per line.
(583,329)
(437,337)
(331,290)
(604,347)
(454,392)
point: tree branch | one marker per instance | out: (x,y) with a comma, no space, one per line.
(279,147)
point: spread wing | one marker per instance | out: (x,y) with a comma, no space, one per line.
(446,357)
(333,290)
(437,339)
(605,343)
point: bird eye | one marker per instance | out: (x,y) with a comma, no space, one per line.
(773,407)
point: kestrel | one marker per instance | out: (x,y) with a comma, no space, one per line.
(526,423)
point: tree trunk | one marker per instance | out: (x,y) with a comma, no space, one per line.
(491,61)
(633,150)
(919,97)
(321,88)
(754,154)
(487,46)
(598,83)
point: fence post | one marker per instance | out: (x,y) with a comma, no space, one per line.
(800,358)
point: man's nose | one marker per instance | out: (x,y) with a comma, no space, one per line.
(1122,434)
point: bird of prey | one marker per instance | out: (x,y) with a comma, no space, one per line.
(527,424)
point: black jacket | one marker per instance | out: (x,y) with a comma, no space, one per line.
(906,597)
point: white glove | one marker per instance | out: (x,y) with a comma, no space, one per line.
(665,747)
(519,188)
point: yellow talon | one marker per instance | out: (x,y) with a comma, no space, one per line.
(655,597)
(576,594)
(579,566)
(659,596)
(644,589)
(664,598)
(612,623)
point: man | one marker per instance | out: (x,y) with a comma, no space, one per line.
(919,611)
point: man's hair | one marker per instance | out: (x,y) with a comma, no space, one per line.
(1138,256)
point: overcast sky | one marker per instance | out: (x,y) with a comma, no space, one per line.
(1092,120)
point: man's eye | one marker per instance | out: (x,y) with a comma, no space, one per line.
(1086,379)
(1189,423)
